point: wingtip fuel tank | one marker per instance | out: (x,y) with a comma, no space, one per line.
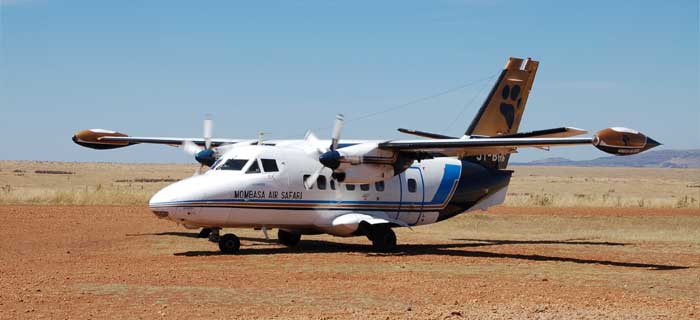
(623,141)
(91,138)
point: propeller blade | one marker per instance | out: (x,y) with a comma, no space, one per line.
(312,140)
(198,171)
(337,128)
(208,126)
(311,180)
(190,147)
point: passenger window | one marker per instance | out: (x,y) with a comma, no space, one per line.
(321,182)
(303,180)
(350,187)
(269,165)
(412,185)
(332,184)
(379,186)
(364,187)
(233,164)
(254,168)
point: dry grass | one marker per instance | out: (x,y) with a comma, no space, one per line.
(25,182)
(604,187)
(111,183)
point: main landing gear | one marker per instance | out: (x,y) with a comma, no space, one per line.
(287,238)
(383,238)
(228,243)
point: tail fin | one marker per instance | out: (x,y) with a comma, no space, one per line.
(501,112)
(503,108)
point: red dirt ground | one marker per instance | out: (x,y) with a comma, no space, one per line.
(120,262)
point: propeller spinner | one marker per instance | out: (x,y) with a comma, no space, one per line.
(204,155)
(328,157)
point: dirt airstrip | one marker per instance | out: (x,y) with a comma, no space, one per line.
(121,262)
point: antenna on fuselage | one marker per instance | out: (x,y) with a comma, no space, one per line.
(261,136)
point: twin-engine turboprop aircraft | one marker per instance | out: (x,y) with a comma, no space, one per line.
(359,188)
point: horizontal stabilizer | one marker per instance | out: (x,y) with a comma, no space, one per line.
(562,132)
(425,134)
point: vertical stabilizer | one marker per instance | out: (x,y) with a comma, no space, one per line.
(501,112)
(503,108)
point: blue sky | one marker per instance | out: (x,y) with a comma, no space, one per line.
(155,68)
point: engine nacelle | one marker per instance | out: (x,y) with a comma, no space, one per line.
(361,163)
(623,141)
(366,173)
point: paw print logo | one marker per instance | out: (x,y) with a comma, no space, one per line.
(511,100)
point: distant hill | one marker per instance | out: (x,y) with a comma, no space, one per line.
(649,159)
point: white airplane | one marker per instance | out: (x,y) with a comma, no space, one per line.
(359,188)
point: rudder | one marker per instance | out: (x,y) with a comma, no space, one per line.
(503,109)
(501,112)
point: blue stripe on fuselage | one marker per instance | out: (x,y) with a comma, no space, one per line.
(449,179)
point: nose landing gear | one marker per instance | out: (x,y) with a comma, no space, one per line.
(228,243)
(204,233)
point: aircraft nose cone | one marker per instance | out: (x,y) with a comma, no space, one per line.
(161,197)
(161,203)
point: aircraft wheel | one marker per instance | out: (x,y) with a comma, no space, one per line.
(204,233)
(229,243)
(384,240)
(287,238)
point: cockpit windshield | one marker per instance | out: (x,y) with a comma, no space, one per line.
(232,164)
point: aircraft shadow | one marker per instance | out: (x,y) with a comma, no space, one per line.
(452,249)
(177,234)
(195,235)
(567,242)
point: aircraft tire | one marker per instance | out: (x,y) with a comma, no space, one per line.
(287,238)
(384,240)
(204,233)
(229,243)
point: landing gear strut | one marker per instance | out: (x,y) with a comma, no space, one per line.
(204,233)
(287,238)
(214,234)
(383,238)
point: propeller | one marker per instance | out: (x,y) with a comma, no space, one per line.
(208,127)
(328,157)
(203,155)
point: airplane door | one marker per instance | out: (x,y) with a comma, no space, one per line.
(412,195)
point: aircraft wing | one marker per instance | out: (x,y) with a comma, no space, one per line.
(107,139)
(561,132)
(477,146)
(169,141)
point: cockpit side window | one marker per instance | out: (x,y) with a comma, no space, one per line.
(269,165)
(233,164)
(254,168)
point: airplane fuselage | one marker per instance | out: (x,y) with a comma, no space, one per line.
(263,186)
